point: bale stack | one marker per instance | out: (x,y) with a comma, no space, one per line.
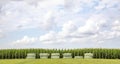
(44,55)
(31,56)
(55,55)
(88,55)
(67,55)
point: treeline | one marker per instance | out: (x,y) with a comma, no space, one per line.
(22,53)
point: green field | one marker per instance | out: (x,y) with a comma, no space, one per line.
(60,61)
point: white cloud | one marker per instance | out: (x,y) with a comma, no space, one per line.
(100,7)
(2,2)
(44,14)
(112,33)
(92,26)
(68,27)
(110,3)
(1,34)
(49,36)
(63,20)
(106,4)
(48,21)
(59,37)
(23,15)
(52,38)
(116,25)
(25,41)
(95,29)
(75,6)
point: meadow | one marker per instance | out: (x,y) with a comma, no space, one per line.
(60,61)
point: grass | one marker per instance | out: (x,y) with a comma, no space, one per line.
(60,61)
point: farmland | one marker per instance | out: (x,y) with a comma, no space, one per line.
(100,56)
(60,61)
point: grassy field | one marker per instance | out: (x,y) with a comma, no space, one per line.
(60,61)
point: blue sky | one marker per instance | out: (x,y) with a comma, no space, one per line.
(59,23)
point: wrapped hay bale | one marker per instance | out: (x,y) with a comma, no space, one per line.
(55,55)
(44,55)
(67,55)
(31,56)
(88,55)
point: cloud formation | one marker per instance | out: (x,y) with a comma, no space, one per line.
(65,21)
(97,29)
(25,41)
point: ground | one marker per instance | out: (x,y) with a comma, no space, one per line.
(60,61)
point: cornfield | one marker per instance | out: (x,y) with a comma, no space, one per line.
(22,53)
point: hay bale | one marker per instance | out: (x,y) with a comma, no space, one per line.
(31,56)
(44,55)
(88,55)
(55,55)
(67,55)
(78,57)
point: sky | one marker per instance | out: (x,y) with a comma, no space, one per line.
(59,24)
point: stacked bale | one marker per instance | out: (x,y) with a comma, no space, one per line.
(67,55)
(55,55)
(44,55)
(31,56)
(88,55)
